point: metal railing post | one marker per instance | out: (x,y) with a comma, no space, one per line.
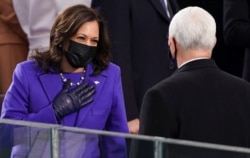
(55,143)
(158,148)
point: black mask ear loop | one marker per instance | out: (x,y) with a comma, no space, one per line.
(172,64)
(175,49)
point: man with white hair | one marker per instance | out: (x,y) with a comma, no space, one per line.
(198,102)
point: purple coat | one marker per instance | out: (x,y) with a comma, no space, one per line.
(32,92)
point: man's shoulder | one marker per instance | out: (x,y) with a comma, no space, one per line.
(169,83)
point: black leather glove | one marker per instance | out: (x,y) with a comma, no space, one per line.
(68,101)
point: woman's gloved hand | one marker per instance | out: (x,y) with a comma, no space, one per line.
(68,101)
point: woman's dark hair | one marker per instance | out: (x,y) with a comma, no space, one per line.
(65,26)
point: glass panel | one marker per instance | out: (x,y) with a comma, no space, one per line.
(190,149)
(78,144)
(25,141)
(172,148)
(21,139)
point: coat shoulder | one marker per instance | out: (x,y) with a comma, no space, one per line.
(112,68)
(28,65)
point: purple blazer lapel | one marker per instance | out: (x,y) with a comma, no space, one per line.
(51,84)
(98,81)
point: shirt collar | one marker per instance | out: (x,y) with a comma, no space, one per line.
(192,60)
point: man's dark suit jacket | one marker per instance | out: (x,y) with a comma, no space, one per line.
(199,102)
(236,27)
(139,34)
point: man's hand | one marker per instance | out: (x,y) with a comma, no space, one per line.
(133,126)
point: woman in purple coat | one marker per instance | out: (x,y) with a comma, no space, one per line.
(73,83)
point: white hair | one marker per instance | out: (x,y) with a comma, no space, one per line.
(193,28)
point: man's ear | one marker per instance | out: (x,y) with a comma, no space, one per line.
(215,41)
(171,44)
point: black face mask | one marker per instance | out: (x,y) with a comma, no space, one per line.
(79,55)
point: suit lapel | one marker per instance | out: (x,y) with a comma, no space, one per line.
(51,83)
(158,6)
(197,64)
